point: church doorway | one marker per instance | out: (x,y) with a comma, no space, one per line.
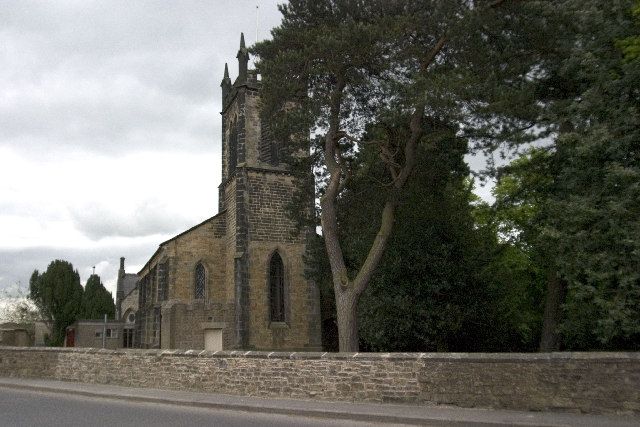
(127,338)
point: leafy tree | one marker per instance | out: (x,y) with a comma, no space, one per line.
(96,300)
(515,289)
(521,195)
(630,45)
(58,295)
(426,294)
(340,68)
(591,225)
(580,195)
(445,283)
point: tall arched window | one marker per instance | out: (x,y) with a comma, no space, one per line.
(233,148)
(276,288)
(200,279)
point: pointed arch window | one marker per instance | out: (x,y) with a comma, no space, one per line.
(200,280)
(276,288)
(233,148)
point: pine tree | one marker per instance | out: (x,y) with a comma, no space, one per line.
(338,68)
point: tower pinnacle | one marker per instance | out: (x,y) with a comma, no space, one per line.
(226,83)
(243,61)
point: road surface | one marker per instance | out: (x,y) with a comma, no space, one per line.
(30,408)
(45,402)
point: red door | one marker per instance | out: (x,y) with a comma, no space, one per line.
(71,337)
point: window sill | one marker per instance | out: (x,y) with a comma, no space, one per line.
(278,325)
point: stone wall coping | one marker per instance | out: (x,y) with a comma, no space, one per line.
(435,357)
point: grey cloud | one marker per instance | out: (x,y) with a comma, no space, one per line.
(93,27)
(16,266)
(114,77)
(111,75)
(110,117)
(27,209)
(146,219)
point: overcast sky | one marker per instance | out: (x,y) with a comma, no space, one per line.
(110,126)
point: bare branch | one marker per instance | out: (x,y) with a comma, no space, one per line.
(388,159)
(331,138)
(384,184)
(498,3)
(343,134)
(388,213)
(433,53)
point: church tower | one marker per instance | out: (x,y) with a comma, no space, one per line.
(236,280)
(275,306)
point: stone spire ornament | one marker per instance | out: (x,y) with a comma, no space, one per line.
(226,83)
(243,61)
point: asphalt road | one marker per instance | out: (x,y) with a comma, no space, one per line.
(30,408)
(43,402)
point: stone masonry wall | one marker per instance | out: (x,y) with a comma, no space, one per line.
(587,382)
(269,194)
(199,245)
(185,323)
(129,304)
(301,329)
(87,331)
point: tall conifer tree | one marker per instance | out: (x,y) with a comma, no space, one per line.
(58,295)
(96,300)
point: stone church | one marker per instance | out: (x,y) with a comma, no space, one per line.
(236,280)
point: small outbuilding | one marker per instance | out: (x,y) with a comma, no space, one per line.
(14,334)
(95,333)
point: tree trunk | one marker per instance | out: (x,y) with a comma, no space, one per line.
(550,339)
(346,309)
(348,291)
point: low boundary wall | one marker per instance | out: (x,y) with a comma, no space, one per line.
(585,382)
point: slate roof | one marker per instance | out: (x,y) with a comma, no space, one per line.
(129,282)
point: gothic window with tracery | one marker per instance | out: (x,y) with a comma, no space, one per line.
(200,281)
(276,288)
